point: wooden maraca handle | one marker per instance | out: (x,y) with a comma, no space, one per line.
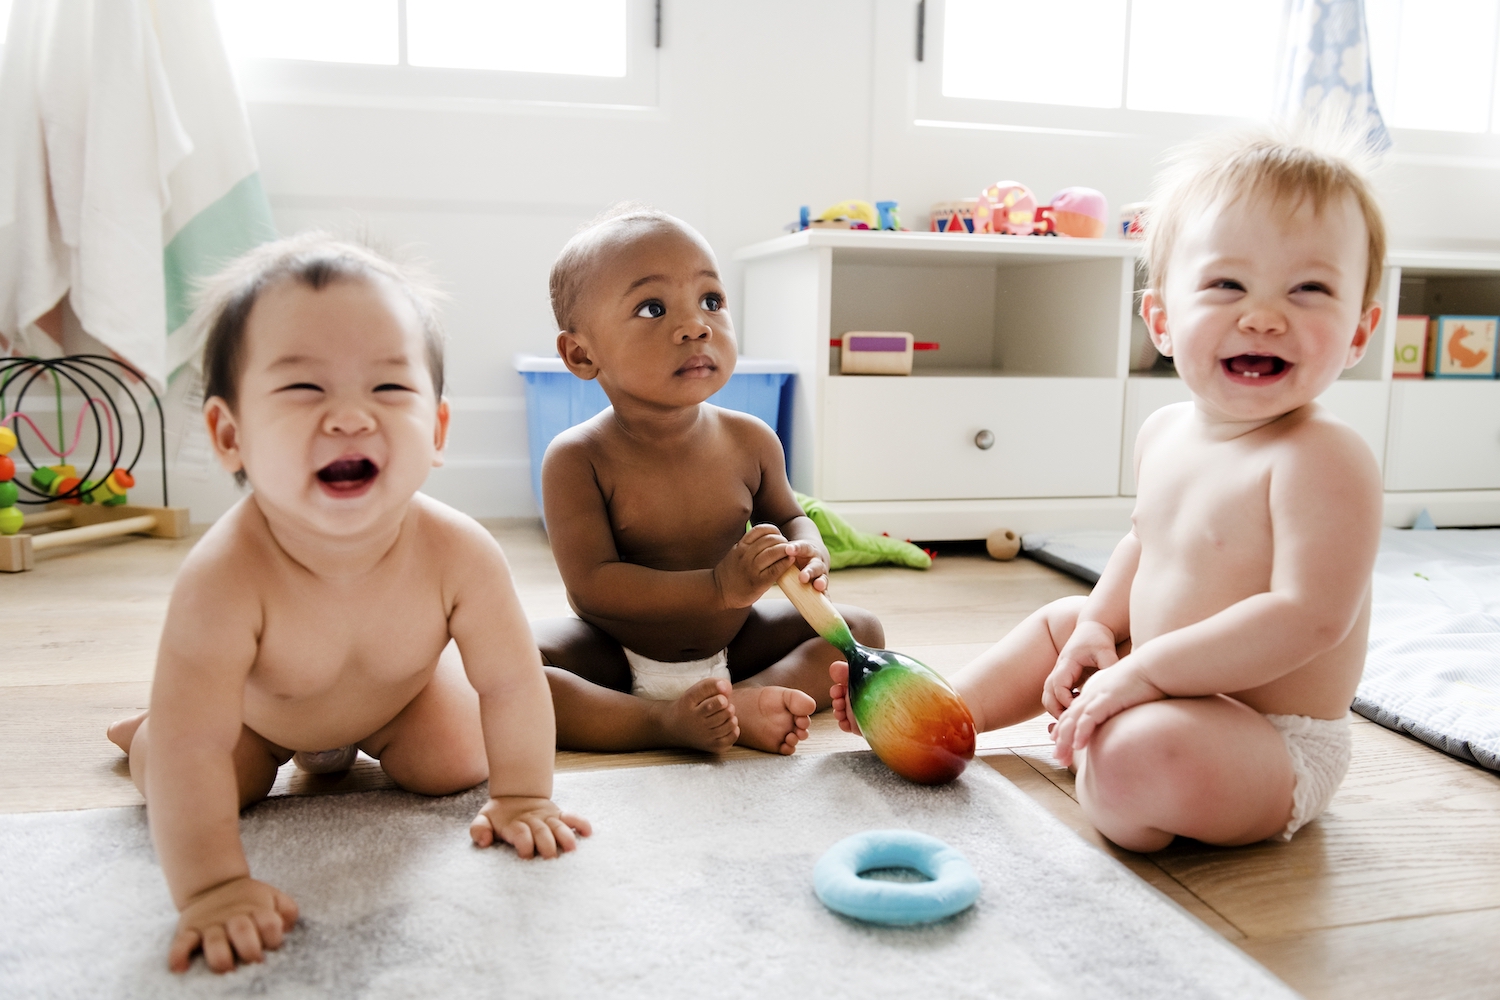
(814,606)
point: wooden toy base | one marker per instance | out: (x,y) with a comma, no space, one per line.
(87,524)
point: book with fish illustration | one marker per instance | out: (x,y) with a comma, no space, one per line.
(1462,346)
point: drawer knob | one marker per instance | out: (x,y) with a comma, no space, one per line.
(984,440)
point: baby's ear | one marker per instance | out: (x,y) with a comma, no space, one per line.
(1362,334)
(575,355)
(440,431)
(1154,312)
(223,433)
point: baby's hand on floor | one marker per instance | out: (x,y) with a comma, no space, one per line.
(838,670)
(1106,694)
(239,919)
(751,567)
(1090,648)
(530,825)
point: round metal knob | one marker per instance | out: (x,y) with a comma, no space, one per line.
(984,440)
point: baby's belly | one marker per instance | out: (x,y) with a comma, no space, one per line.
(353,707)
(692,637)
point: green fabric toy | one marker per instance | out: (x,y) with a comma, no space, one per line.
(848,546)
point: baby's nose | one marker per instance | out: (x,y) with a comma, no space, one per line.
(348,420)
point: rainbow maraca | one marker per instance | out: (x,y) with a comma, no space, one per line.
(913,719)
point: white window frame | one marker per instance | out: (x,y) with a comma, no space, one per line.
(930,108)
(295,81)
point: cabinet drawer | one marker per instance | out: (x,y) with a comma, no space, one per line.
(914,438)
(1444,435)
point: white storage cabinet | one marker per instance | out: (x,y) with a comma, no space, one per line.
(1027,414)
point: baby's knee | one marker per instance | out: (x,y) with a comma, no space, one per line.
(1132,756)
(864,626)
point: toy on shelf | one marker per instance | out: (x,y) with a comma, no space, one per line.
(1410,347)
(852,214)
(877,352)
(1462,346)
(1007,208)
(83,505)
(914,721)
(954,216)
(1076,211)
(1133,220)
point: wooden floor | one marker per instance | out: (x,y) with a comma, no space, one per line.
(1395,892)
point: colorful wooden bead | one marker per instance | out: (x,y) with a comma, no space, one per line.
(11,520)
(7,469)
(8,494)
(7,440)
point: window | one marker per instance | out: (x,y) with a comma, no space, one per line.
(1434,63)
(1036,65)
(1214,57)
(444,51)
(4,19)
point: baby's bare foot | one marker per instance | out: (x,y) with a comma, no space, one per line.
(122,733)
(703,718)
(774,719)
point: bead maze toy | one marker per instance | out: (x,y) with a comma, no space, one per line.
(914,721)
(78,506)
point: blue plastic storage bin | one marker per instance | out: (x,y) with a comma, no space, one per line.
(556,399)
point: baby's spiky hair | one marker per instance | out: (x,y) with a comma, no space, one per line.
(1283,164)
(575,264)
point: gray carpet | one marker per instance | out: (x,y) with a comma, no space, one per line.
(697,883)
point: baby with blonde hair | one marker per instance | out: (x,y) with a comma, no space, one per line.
(1203,688)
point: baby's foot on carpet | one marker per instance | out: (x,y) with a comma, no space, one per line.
(122,733)
(702,718)
(774,719)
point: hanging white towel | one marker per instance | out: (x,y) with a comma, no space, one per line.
(126,171)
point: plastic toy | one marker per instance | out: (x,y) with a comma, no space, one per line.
(1462,346)
(848,546)
(852,214)
(878,352)
(836,878)
(1410,347)
(1076,211)
(1133,220)
(954,216)
(97,385)
(1003,544)
(914,721)
(1007,208)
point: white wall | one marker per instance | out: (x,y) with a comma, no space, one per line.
(763,106)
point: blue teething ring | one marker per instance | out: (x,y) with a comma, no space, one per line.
(953,888)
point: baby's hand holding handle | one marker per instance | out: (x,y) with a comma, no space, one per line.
(531,825)
(752,565)
(240,919)
(809,558)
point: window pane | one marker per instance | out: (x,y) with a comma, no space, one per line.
(1433,62)
(4,19)
(582,37)
(1042,51)
(1207,57)
(350,31)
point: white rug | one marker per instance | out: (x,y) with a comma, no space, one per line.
(697,883)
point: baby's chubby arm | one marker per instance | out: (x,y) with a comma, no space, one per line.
(515,705)
(1103,623)
(208,647)
(1324,499)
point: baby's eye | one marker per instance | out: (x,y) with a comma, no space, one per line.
(651,310)
(1229,284)
(392,387)
(304,386)
(713,302)
(1312,286)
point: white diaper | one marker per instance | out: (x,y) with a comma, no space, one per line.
(1320,750)
(669,681)
(326,761)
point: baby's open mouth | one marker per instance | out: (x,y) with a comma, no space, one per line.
(346,475)
(698,367)
(1255,365)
